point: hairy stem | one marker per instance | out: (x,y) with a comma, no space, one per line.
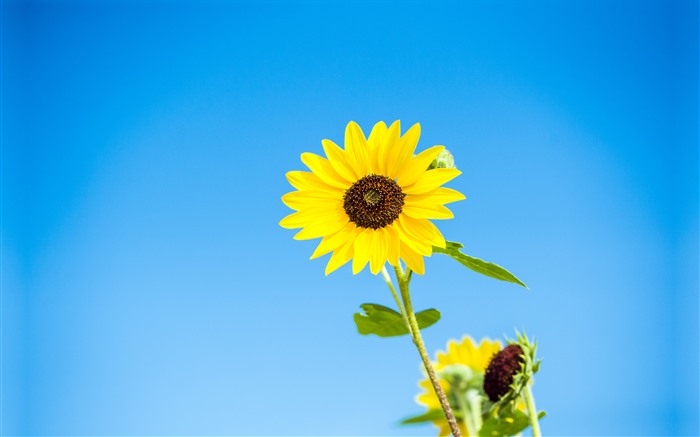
(403,280)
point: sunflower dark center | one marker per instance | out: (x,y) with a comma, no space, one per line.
(373,202)
(499,374)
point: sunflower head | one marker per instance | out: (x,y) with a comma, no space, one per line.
(372,200)
(509,371)
(501,370)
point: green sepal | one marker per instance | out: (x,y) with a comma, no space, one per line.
(385,322)
(478,265)
(507,423)
(428,416)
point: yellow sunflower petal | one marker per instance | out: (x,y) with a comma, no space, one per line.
(331,242)
(467,353)
(363,248)
(356,145)
(431,180)
(413,260)
(339,257)
(339,160)
(308,216)
(374,142)
(319,229)
(427,211)
(307,181)
(299,200)
(388,148)
(409,237)
(438,196)
(379,248)
(404,152)
(487,349)
(415,168)
(324,170)
(426,231)
(393,242)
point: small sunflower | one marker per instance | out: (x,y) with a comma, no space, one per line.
(371,201)
(466,353)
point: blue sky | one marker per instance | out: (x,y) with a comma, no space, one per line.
(148,289)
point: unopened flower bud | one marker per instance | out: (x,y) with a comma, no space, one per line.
(443,160)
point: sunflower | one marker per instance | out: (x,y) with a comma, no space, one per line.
(372,201)
(466,353)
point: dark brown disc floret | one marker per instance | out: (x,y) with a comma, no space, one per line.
(373,202)
(499,374)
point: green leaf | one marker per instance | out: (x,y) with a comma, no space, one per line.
(478,265)
(385,322)
(427,317)
(506,424)
(428,416)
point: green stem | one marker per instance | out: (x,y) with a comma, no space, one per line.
(462,401)
(418,341)
(532,411)
(474,400)
(387,279)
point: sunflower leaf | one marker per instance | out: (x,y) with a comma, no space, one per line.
(385,322)
(505,424)
(428,416)
(492,270)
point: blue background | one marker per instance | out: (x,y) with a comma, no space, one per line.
(148,289)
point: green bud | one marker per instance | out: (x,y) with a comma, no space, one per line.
(443,160)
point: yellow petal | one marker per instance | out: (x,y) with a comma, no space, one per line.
(427,211)
(379,249)
(404,152)
(413,260)
(431,179)
(415,168)
(324,170)
(304,180)
(300,219)
(356,146)
(374,142)
(487,349)
(438,196)
(318,230)
(393,242)
(340,256)
(331,242)
(425,231)
(339,161)
(299,200)
(363,248)
(409,238)
(388,148)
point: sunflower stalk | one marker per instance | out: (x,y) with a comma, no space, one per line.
(389,284)
(532,411)
(403,280)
